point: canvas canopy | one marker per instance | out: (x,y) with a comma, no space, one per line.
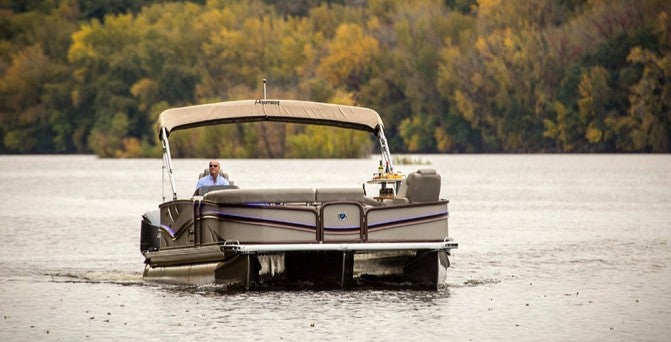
(359,118)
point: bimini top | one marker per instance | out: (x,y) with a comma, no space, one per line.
(306,112)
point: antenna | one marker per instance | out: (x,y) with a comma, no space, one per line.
(264,100)
(264,89)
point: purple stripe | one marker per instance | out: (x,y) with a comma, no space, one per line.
(383,223)
(169,230)
(252,218)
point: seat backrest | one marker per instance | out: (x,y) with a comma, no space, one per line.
(207,172)
(258,196)
(421,186)
(338,194)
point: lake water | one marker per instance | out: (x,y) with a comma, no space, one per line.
(551,247)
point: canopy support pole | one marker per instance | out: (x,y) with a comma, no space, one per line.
(384,148)
(167,161)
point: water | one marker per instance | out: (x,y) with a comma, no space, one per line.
(551,247)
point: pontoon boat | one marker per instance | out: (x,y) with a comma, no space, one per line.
(256,238)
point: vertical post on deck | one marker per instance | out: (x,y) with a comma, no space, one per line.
(264,89)
(249,270)
(384,147)
(342,269)
(168,160)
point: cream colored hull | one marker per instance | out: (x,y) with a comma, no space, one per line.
(335,243)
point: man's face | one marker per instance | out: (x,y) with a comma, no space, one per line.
(214,168)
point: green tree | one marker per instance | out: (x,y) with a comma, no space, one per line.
(566,130)
(651,102)
(447,76)
(594,104)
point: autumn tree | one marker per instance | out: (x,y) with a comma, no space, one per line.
(80,76)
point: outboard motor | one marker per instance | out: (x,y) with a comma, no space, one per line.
(149,240)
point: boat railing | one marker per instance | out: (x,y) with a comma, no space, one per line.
(329,215)
(446,245)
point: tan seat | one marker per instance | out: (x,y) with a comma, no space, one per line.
(205,189)
(262,196)
(339,194)
(222,173)
(420,186)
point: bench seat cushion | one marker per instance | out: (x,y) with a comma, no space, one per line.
(339,194)
(261,196)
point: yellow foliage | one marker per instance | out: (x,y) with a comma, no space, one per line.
(23,79)
(131,148)
(413,143)
(327,142)
(476,80)
(485,7)
(444,142)
(508,40)
(481,45)
(342,97)
(146,90)
(498,66)
(465,107)
(374,24)
(350,52)
(513,141)
(593,134)
(81,48)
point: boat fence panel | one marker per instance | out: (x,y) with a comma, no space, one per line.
(256,223)
(342,221)
(412,222)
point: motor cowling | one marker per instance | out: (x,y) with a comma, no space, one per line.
(149,240)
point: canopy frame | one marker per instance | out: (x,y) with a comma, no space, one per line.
(290,111)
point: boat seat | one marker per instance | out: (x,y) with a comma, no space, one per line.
(239,196)
(221,173)
(339,194)
(372,202)
(420,186)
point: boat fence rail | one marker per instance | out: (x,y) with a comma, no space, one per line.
(354,247)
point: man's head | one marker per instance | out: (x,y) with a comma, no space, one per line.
(214,168)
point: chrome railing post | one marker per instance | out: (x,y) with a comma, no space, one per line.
(168,160)
(384,148)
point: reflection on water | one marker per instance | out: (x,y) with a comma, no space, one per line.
(559,247)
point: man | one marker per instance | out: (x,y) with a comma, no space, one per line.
(214,178)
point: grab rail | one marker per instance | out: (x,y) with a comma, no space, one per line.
(382,246)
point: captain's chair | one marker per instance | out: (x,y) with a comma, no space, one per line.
(221,173)
(205,189)
(420,186)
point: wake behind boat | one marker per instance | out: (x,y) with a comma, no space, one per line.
(325,236)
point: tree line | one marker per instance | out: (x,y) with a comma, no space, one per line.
(451,76)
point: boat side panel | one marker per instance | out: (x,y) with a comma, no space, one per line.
(409,232)
(259,224)
(414,222)
(342,222)
(176,223)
